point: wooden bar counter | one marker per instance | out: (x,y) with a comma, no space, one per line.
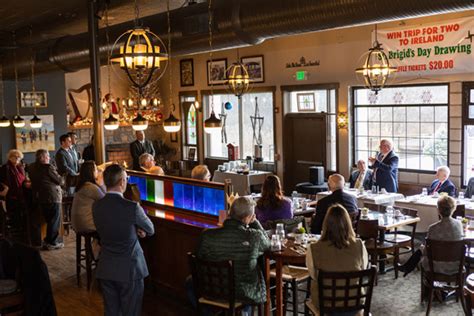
(180,209)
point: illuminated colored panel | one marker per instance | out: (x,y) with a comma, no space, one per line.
(199,199)
(178,195)
(141,184)
(168,186)
(150,190)
(159,192)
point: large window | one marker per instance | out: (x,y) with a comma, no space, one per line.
(414,117)
(468,126)
(239,129)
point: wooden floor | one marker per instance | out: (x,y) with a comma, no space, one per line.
(73,300)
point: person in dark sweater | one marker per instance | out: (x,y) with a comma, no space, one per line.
(336,186)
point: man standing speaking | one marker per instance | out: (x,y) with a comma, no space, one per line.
(385,166)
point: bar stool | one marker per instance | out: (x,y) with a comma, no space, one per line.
(85,254)
(67,206)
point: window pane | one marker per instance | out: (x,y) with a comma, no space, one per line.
(386,129)
(191,129)
(427,114)
(374,114)
(400,114)
(471,111)
(413,130)
(472,96)
(386,114)
(362,143)
(374,129)
(441,113)
(413,161)
(468,152)
(427,129)
(362,114)
(413,114)
(399,129)
(320,101)
(361,129)
(435,94)
(427,162)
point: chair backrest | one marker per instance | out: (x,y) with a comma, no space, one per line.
(355,217)
(375,207)
(459,211)
(446,251)
(290,224)
(410,212)
(213,280)
(368,229)
(345,291)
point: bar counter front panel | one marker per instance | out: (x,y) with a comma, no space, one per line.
(180,210)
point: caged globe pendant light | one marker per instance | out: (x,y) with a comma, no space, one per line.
(376,68)
(171,124)
(238,79)
(212,124)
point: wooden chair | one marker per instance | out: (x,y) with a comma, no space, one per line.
(469,294)
(85,255)
(368,230)
(355,217)
(403,240)
(459,211)
(12,304)
(375,207)
(344,292)
(443,252)
(214,285)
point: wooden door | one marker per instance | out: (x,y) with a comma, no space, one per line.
(304,145)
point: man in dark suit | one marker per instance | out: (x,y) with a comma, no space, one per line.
(362,177)
(75,154)
(442,182)
(139,147)
(65,161)
(47,193)
(336,185)
(385,167)
(122,267)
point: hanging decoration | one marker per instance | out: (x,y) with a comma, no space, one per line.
(171,124)
(18,121)
(35,122)
(238,79)
(223,118)
(4,121)
(376,69)
(257,123)
(228,106)
(212,124)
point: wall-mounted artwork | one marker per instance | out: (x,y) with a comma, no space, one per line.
(30,99)
(305,102)
(255,68)
(186,69)
(216,73)
(31,139)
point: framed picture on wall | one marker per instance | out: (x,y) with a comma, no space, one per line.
(255,67)
(30,99)
(192,153)
(216,73)
(305,102)
(30,139)
(186,69)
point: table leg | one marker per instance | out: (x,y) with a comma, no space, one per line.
(279,287)
(382,262)
(268,304)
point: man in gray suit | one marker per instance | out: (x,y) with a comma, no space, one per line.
(122,267)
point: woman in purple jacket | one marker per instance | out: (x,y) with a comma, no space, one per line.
(273,204)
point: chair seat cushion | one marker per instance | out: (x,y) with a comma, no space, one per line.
(7,286)
(221,304)
(392,238)
(291,273)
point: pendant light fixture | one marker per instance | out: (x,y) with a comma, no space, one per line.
(18,121)
(212,124)
(4,121)
(171,124)
(238,79)
(110,123)
(35,122)
(376,69)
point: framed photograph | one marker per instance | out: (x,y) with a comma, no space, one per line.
(255,67)
(216,73)
(29,139)
(174,137)
(305,102)
(186,69)
(192,153)
(30,99)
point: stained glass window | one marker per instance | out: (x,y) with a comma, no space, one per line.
(191,130)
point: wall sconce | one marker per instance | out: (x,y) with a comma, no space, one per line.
(342,120)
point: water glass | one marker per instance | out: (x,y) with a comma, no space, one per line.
(424,192)
(461,196)
(389,210)
(275,243)
(280,231)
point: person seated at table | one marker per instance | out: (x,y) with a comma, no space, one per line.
(273,204)
(337,250)
(336,186)
(242,240)
(442,182)
(470,188)
(447,229)
(362,177)
(201,172)
(147,163)
(88,190)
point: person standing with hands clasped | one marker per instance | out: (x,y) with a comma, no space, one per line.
(122,266)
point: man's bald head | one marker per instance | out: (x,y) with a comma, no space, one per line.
(336,182)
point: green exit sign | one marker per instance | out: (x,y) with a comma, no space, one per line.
(301,75)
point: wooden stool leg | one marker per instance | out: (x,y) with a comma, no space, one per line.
(78,258)
(294,288)
(88,241)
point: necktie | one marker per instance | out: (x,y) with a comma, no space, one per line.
(437,187)
(360,180)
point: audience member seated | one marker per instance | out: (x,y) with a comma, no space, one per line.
(242,240)
(273,204)
(470,188)
(336,186)
(12,175)
(201,172)
(362,177)
(447,229)
(147,163)
(338,249)
(47,194)
(88,190)
(442,182)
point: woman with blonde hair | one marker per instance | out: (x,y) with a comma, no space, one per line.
(273,205)
(338,249)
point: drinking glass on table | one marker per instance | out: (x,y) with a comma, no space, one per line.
(389,210)
(461,195)
(275,243)
(424,192)
(280,231)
